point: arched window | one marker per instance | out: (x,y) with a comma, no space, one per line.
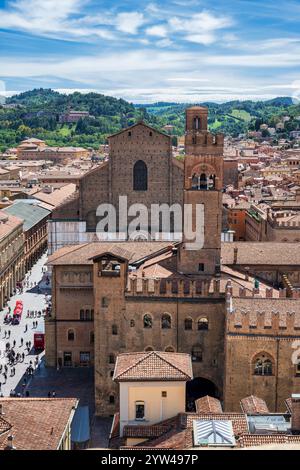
(111,359)
(211,181)
(263,365)
(203,181)
(166,321)
(140,176)
(188,324)
(114,329)
(147,321)
(196,123)
(71,335)
(203,324)
(149,348)
(170,349)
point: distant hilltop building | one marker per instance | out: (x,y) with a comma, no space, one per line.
(35,149)
(168,128)
(73,116)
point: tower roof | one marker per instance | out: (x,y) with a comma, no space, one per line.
(197,108)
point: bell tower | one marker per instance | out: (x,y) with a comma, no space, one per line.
(203,182)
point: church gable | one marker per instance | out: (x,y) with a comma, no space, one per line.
(138,129)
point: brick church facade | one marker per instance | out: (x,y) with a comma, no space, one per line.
(111,297)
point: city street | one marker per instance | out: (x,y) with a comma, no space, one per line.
(32,300)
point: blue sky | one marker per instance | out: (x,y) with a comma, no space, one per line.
(147,51)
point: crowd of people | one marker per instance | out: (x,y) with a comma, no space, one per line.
(14,352)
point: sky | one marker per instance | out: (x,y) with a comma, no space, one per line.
(149,51)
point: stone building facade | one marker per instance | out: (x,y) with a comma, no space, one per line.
(111,297)
(76,220)
(12,267)
(35,229)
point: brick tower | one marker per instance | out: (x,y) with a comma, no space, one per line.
(203,182)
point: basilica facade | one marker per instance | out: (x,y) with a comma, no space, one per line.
(167,292)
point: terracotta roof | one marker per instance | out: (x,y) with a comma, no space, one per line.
(36,423)
(8,223)
(254,405)
(83,254)
(57,196)
(250,440)
(208,404)
(155,430)
(261,253)
(181,434)
(153,365)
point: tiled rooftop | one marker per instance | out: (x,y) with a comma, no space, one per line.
(35,423)
(153,365)
(254,405)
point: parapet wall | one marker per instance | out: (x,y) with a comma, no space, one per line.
(259,314)
(275,220)
(150,287)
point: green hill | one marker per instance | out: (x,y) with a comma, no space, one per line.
(36,114)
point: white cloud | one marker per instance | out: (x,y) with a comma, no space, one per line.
(164,43)
(205,38)
(204,21)
(157,30)
(130,22)
(50,18)
(201,27)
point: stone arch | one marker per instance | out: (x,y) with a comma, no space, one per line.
(197,388)
(202,323)
(263,364)
(203,177)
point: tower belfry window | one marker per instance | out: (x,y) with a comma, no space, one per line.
(196,123)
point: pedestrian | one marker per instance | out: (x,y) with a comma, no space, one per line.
(54,394)
(21,342)
(26,328)
(49,394)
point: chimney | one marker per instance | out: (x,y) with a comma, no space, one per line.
(10,443)
(235,255)
(295,425)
